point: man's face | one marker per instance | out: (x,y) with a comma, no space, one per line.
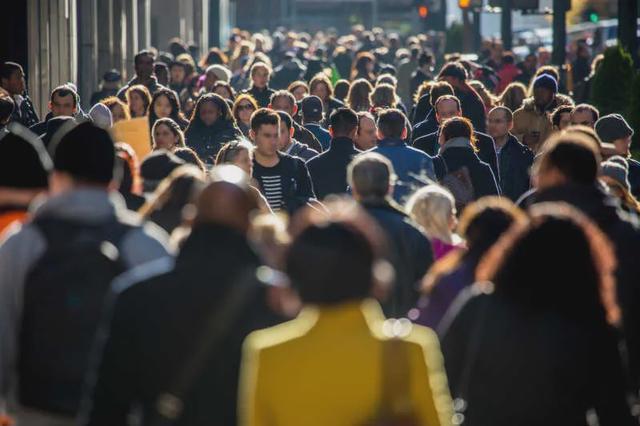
(623,146)
(282,103)
(15,84)
(62,105)
(542,96)
(144,67)
(284,140)
(565,120)
(584,118)
(497,124)
(320,90)
(366,136)
(177,74)
(260,78)
(267,139)
(446,110)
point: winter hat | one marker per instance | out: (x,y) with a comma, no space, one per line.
(613,127)
(617,169)
(85,151)
(24,161)
(157,166)
(101,116)
(221,72)
(311,106)
(547,82)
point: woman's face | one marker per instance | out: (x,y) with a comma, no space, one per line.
(137,105)
(163,138)
(209,113)
(245,109)
(299,93)
(162,107)
(320,90)
(369,66)
(117,113)
(244,161)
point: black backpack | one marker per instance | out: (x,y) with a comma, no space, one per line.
(64,294)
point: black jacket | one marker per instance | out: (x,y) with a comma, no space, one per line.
(301,151)
(410,253)
(515,161)
(287,73)
(473,109)
(25,114)
(624,231)
(303,135)
(421,109)
(530,368)
(329,170)
(262,96)
(485,144)
(634,176)
(156,321)
(207,141)
(425,127)
(452,159)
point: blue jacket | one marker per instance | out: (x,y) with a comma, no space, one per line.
(320,133)
(412,167)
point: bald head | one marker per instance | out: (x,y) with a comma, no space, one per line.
(227,200)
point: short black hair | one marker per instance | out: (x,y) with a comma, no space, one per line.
(285,119)
(343,121)
(64,90)
(142,54)
(391,123)
(8,68)
(455,70)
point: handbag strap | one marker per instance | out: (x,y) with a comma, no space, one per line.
(170,404)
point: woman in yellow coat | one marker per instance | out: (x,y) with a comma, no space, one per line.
(340,362)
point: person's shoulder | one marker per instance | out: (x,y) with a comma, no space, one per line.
(278,336)
(417,153)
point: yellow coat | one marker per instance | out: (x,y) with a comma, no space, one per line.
(325,368)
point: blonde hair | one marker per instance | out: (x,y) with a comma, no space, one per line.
(432,207)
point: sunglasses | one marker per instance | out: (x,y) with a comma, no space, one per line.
(244,107)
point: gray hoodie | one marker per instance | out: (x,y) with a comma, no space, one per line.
(22,246)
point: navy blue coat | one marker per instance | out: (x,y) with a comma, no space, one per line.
(329,170)
(515,161)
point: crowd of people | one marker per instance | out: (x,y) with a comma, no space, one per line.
(325,231)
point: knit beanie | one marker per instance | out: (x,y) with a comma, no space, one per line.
(101,116)
(547,82)
(613,127)
(85,151)
(24,161)
(617,169)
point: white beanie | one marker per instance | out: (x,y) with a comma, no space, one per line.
(101,115)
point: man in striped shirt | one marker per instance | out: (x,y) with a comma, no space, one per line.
(283,180)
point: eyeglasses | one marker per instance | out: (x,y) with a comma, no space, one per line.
(245,107)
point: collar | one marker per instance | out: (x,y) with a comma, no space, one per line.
(383,204)
(456,143)
(89,205)
(391,142)
(342,143)
(365,313)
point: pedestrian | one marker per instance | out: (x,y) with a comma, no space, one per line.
(512,96)
(614,129)
(585,115)
(312,119)
(283,100)
(532,123)
(143,64)
(138,101)
(12,81)
(433,208)
(243,107)
(341,90)
(283,180)
(472,106)
(427,104)
(329,170)
(321,86)
(178,74)
(363,67)
(166,134)
(423,73)
(290,70)
(189,156)
(406,68)
(481,225)
(63,102)
(299,89)
(60,301)
(166,207)
(615,174)
(371,179)
(109,87)
(574,304)
(508,71)
(119,110)
(129,183)
(24,169)
(225,90)
(358,96)
(561,117)
(156,167)
(413,167)
(161,71)
(514,159)
(383,97)
(178,297)
(446,107)
(458,167)
(367,133)
(260,74)
(286,142)
(165,104)
(339,313)
(211,126)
